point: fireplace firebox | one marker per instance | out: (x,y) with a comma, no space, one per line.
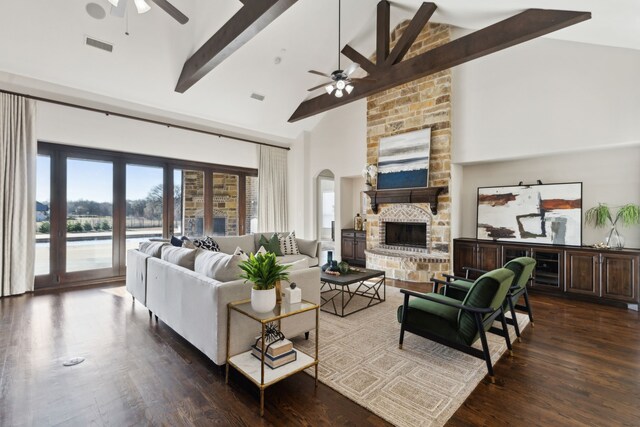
(406,234)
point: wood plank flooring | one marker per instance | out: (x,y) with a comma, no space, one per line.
(580,365)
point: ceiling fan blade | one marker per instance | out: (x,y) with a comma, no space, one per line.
(172,10)
(119,10)
(319,86)
(351,68)
(319,73)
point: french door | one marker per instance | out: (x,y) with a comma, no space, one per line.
(94,205)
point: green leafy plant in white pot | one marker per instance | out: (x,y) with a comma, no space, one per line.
(264,272)
(600,216)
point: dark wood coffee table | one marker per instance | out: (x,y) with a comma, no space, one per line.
(364,285)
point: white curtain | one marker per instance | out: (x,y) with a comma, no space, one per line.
(272,190)
(18,151)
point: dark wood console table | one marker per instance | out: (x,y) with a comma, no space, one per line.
(601,275)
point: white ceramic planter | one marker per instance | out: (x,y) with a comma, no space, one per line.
(263,301)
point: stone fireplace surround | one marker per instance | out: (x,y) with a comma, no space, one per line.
(405,263)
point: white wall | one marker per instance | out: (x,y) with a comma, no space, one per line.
(337,143)
(350,188)
(73,126)
(609,176)
(551,110)
(545,96)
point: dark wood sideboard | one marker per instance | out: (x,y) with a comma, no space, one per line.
(601,275)
(353,244)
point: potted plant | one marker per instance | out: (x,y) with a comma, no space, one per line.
(600,215)
(264,272)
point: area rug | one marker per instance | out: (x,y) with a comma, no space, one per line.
(421,385)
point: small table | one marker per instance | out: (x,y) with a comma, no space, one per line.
(339,286)
(254,369)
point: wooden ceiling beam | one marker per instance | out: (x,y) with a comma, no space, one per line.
(252,18)
(520,28)
(383,30)
(360,59)
(410,34)
(172,11)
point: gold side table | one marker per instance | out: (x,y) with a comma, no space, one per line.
(254,369)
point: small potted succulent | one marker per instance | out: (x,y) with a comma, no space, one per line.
(264,272)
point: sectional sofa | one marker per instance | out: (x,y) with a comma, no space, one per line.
(189,289)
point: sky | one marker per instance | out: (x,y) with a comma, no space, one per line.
(93,180)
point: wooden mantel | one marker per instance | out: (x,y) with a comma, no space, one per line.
(411,195)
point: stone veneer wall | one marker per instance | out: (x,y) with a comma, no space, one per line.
(422,103)
(225,202)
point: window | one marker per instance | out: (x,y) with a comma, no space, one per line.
(94,205)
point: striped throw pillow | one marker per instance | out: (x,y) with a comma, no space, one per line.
(288,244)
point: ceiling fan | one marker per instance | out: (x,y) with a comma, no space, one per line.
(119,7)
(341,80)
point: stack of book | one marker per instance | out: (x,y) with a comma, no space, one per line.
(278,353)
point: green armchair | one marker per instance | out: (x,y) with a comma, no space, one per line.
(457,287)
(459,324)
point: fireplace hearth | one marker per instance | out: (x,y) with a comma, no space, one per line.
(406,234)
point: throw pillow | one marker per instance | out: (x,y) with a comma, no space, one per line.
(288,245)
(179,256)
(207,243)
(261,251)
(152,248)
(220,266)
(271,245)
(187,243)
(308,247)
(176,242)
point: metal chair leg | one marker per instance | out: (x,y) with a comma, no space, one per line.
(526,301)
(515,319)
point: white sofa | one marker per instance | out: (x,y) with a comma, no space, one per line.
(195,305)
(309,249)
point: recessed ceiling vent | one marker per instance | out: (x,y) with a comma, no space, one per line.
(90,41)
(257,96)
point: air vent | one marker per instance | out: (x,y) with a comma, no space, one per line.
(257,96)
(89,41)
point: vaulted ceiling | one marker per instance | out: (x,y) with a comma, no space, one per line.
(44,40)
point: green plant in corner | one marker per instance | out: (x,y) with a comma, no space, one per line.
(264,271)
(627,215)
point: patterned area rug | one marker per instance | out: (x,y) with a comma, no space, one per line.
(421,385)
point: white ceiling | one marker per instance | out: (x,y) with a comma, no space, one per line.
(44,40)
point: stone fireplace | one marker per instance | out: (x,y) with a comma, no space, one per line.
(405,239)
(402,245)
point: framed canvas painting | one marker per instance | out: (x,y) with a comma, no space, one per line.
(543,213)
(403,160)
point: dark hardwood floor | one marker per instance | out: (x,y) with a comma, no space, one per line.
(578,366)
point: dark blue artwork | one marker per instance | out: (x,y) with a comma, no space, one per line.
(403,160)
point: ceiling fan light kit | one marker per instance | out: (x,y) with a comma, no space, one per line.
(142,6)
(341,79)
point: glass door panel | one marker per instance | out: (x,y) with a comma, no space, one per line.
(251,201)
(89,241)
(225,204)
(144,196)
(177,228)
(192,202)
(43,215)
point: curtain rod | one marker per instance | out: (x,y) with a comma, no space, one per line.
(141,119)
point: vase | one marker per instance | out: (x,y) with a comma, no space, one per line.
(329,261)
(263,301)
(614,239)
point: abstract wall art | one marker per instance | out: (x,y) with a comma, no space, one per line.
(403,160)
(546,213)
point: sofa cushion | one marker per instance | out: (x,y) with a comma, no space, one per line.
(272,244)
(152,248)
(308,247)
(300,264)
(288,244)
(218,265)
(288,259)
(228,244)
(179,256)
